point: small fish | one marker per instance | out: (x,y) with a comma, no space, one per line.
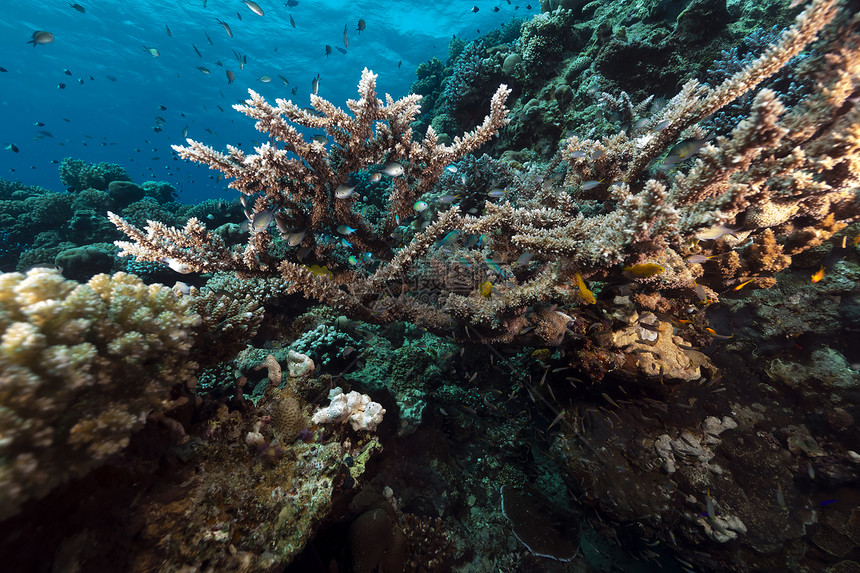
(264,79)
(152,51)
(327,50)
(700,292)
(392,169)
(686,149)
(494,266)
(449,238)
(67,72)
(579,154)
(709,505)
(346,243)
(292,22)
(230,77)
(211,43)
(818,275)
(590,185)
(344,191)
(644,270)
(320,271)
(609,399)
(663,125)
(345,38)
(524,259)
(12,147)
(742,285)
(586,294)
(448,198)
(699,259)
(2,69)
(255,8)
(780,497)
(714,334)
(419,205)
(167,29)
(283,79)
(79,8)
(485,289)
(716,232)
(315,85)
(560,415)
(497,193)
(177,265)
(361,25)
(262,219)
(203,69)
(295,239)
(41,37)
(197,51)
(375,176)
(346,230)
(475,9)
(226,27)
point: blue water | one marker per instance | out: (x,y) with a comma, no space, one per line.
(113,120)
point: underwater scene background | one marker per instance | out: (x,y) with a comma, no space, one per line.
(562,286)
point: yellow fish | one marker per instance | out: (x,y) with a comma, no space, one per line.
(644,270)
(320,271)
(586,294)
(486,289)
(818,275)
(713,333)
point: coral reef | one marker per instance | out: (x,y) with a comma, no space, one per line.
(81,367)
(77,175)
(619,338)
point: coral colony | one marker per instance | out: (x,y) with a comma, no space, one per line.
(398,321)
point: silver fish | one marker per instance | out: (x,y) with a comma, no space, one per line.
(262,219)
(41,37)
(255,8)
(295,239)
(226,27)
(344,191)
(392,169)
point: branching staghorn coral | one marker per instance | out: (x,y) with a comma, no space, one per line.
(785,178)
(308,183)
(777,167)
